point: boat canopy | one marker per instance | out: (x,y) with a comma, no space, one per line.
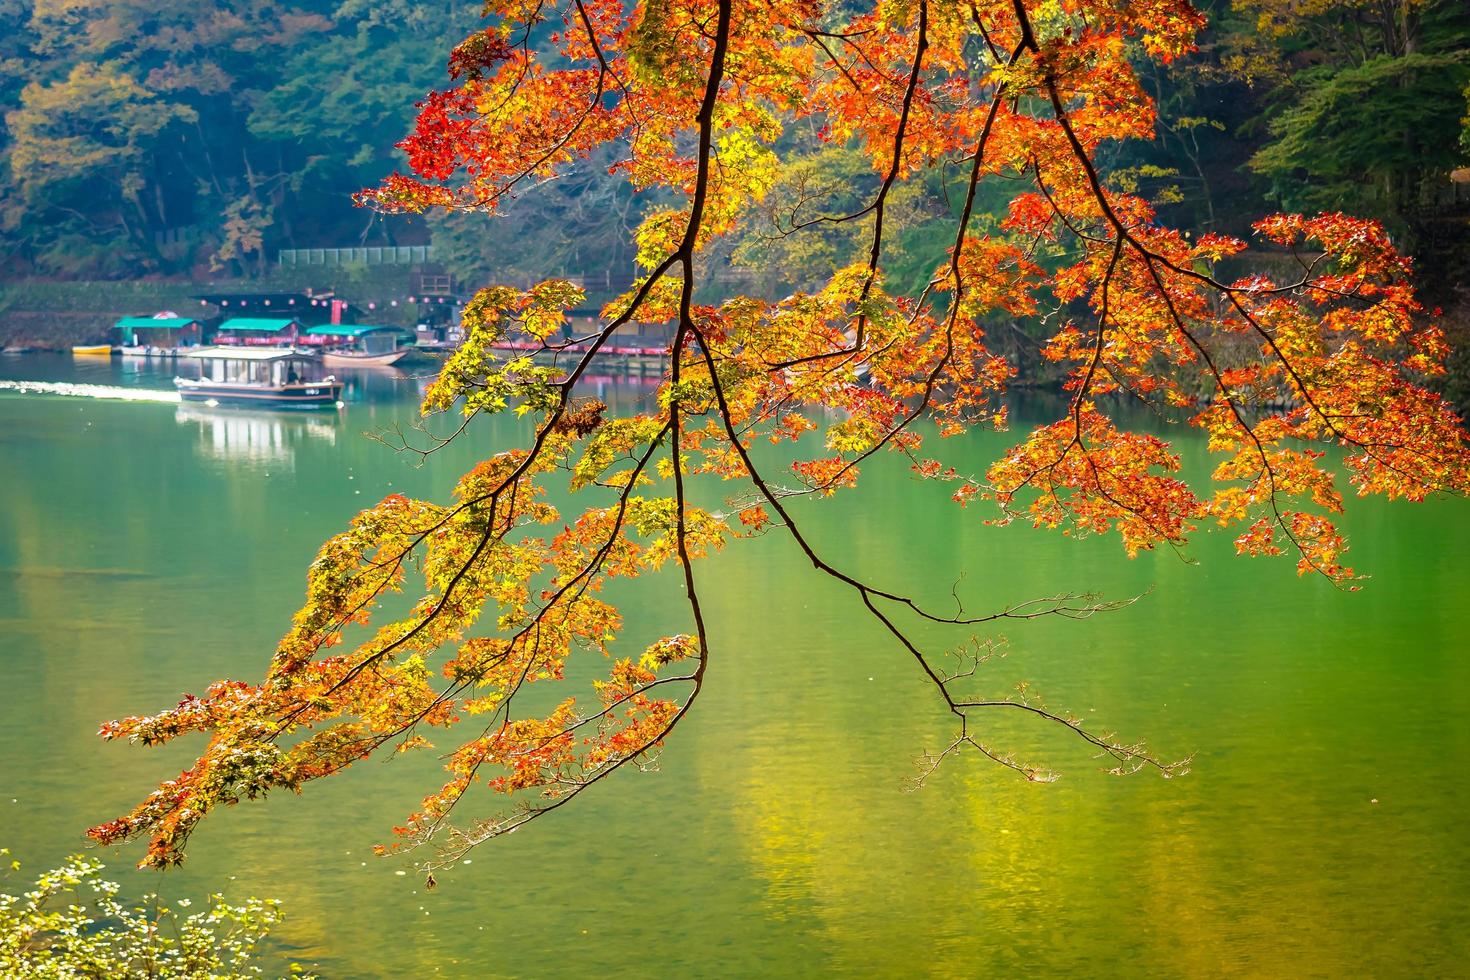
(354,330)
(154,323)
(246,354)
(247,324)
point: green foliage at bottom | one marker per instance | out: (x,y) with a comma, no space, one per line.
(71,923)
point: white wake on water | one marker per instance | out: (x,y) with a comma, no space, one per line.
(90,391)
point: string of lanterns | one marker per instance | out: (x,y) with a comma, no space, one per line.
(429,300)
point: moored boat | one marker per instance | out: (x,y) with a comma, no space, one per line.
(358,345)
(260,376)
(92,350)
(141,350)
(349,359)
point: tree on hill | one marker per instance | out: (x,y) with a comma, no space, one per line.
(1363,104)
(694,96)
(226,130)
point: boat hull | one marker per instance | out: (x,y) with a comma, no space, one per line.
(148,351)
(337,359)
(92,350)
(324,394)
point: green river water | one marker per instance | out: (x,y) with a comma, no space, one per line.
(148,548)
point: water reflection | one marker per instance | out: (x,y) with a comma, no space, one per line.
(377,386)
(148,550)
(254,438)
(623,393)
(373,384)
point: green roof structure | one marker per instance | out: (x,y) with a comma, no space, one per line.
(353,330)
(153,323)
(247,324)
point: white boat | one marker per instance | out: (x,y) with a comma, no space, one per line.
(268,377)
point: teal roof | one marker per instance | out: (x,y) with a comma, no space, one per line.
(248,324)
(352,329)
(153,323)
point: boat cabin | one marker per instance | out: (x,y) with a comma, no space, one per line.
(256,376)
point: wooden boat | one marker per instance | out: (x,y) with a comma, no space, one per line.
(359,345)
(353,359)
(263,377)
(92,350)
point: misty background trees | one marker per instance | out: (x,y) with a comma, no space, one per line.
(158,138)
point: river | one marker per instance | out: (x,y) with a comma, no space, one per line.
(148,548)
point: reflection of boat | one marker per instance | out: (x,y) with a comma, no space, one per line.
(262,376)
(242,436)
(92,350)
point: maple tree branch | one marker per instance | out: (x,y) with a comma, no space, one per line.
(685,256)
(875,251)
(868,594)
(918,78)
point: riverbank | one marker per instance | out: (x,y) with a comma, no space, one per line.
(55,315)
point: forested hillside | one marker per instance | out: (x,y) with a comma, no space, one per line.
(163,136)
(158,138)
